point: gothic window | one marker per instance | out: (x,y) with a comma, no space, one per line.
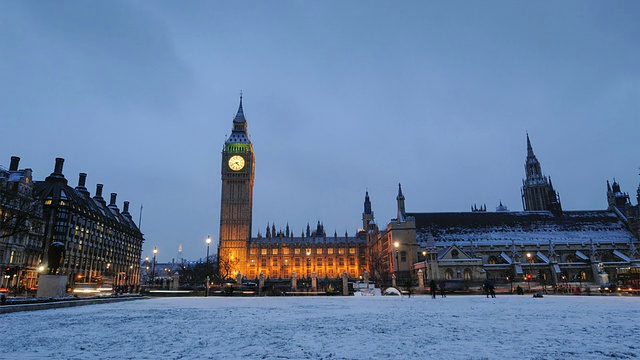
(297,261)
(263,262)
(467,274)
(403,256)
(448,274)
(330,261)
(341,261)
(569,258)
(454,254)
(493,260)
(352,261)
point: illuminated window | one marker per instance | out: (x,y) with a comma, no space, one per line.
(330,251)
(352,251)
(297,261)
(341,251)
(47,202)
(263,262)
(319,261)
(448,274)
(493,260)
(296,251)
(263,251)
(274,251)
(330,261)
(467,274)
(252,251)
(341,261)
(319,251)
(352,261)
(285,251)
(275,261)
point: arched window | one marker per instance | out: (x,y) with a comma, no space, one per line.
(448,274)
(454,254)
(467,274)
(493,260)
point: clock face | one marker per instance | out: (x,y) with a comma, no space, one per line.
(236,163)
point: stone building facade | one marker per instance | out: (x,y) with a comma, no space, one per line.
(21,227)
(542,244)
(100,241)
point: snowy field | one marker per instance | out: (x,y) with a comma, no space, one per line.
(457,327)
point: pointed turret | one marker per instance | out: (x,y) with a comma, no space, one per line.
(367,215)
(536,189)
(240,114)
(529,147)
(400,200)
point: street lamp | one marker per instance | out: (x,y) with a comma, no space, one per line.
(208,243)
(153,268)
(530,271)
(308,261)
(424,275)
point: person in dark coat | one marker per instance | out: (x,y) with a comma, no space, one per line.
(442,291)
(492,289)
(432,288)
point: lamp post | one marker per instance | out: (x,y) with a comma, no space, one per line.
(308,261)
(530,271)
(424,255)
(153,268)
(208,243)
(396,269)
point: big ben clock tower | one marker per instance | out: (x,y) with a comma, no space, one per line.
(237,198)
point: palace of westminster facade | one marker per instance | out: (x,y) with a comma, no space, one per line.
(543,241)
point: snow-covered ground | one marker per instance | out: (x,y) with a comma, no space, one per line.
(456,327)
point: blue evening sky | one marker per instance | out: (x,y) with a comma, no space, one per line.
(341,97)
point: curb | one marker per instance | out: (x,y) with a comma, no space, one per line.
(5,309)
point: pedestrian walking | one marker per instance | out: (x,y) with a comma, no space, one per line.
(433,288)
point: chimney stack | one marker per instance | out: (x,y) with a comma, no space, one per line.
(14,163)
(98,192)
(56,175)
(59,164)
(125,209)
(82,180)
(113,199)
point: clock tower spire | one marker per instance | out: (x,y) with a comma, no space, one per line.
(236,208)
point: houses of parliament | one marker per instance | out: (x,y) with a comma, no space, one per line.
(543,241)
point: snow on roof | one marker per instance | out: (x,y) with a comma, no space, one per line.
(537,227)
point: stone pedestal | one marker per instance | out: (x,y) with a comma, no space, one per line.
(261,283)
(420,279)
(175,284)
(52,286)
(366,279)
(393,281)
(314,282)
(294,282)
(345,285)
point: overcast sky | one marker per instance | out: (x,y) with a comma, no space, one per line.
(340,97)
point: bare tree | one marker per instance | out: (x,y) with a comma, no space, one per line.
(18,209)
